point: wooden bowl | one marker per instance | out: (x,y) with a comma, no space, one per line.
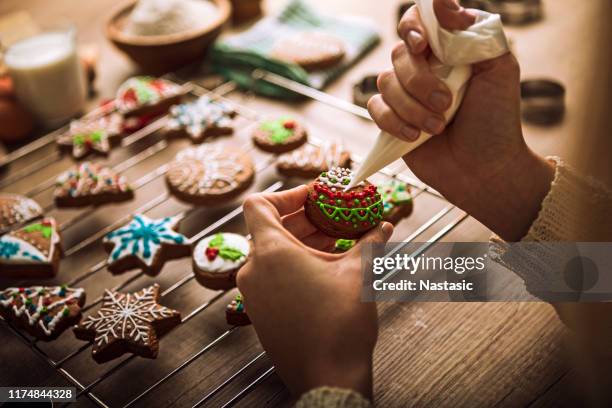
(157,54)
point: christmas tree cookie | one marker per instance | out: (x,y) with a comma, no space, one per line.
(31,252)
(217,258)
(209,174)
(92,135)
(343,214)
(127,323)
(279,135)
(91,184)
(16,209)
(235,315)
(144,95)
(200,120)
(309,161)
(43,311)
(146,244)
(397,201)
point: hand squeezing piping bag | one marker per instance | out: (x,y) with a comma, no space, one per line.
(453,53)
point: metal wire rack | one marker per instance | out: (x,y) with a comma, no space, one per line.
(128,161)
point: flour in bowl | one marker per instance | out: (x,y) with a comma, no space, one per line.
(162,17)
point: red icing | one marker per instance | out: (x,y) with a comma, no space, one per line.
(289,124)
(211,253)
(349,196)
(129,96)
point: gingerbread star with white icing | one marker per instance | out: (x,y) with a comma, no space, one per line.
(127,322)
(200,119)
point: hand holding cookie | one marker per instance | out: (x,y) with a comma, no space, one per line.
(293,287)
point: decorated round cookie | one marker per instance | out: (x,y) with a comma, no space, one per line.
(279,135)
(309,161)
(43,311)
(209,174)
(235,315)
(397,201)
(146,244)
(343,214)
(200,119)
(32,251)
(312,50)
(16,209)
(217,258)
(145,95)
(91,184)
(92,135)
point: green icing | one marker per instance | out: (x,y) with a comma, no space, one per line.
(217,241)
(345,244)
(46,230)
(353,214)
(278,132)
(225,251)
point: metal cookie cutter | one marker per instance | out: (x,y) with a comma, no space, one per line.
(364,90)
(542,101)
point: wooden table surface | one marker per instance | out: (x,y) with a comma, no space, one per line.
(428,354)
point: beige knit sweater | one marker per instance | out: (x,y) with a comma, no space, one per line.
(561,218)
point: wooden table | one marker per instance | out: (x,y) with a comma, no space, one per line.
(428,354)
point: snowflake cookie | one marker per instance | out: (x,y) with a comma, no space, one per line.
(200,119)
(145,243)
(127,322)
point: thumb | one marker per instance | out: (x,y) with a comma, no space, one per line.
(452,16)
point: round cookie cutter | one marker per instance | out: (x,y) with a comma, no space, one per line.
(542,101)
(364,90)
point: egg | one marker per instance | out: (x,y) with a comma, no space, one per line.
(15,121)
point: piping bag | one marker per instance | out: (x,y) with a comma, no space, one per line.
(453,52)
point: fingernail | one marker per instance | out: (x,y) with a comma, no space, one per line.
(434,125)
(387,229)
(452,5)
(439,100)
(410,133)
(414,40)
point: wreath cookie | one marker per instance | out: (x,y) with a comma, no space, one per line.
(92,135)
(209,174)
(146,244)
(217,258)
(397,201)
(42,311)
(309,161)
(16,209)
(343,214)
(279,135)
(200,120)
(33,251)
(144,95)
(91,184)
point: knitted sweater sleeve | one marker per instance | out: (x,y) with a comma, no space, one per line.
(329,397)
(576,209)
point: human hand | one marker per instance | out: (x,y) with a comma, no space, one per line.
(305,304)
(480,161)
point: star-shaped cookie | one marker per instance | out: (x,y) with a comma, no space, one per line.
(127,322)
(200,119)
(92,135)
(145,243)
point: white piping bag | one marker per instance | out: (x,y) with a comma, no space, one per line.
(453,52)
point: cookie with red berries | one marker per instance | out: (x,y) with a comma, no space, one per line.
(343,214)
(217,258)
(145,95)
(279,135)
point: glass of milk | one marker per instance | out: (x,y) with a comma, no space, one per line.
(47,75)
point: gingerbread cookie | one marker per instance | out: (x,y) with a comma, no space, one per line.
(144,95)
(31,252)
(127,323)
(235,314)
(279,135)
(91,184)
(200,119)
(397,201)
(312,50)
(146,244)
(92,135)
(16,209)
(209,174)
(309,161)
(343,214)
(42,311)
(217,258)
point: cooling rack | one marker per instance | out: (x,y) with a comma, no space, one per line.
(202,362)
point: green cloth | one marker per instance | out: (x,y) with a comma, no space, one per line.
(237,56)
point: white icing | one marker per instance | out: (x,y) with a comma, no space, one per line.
(220,265)
(138,238)
(26,253)
(126,316)
(336,178)
(15,208)
(199,116)
(90,179)
(326,156)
